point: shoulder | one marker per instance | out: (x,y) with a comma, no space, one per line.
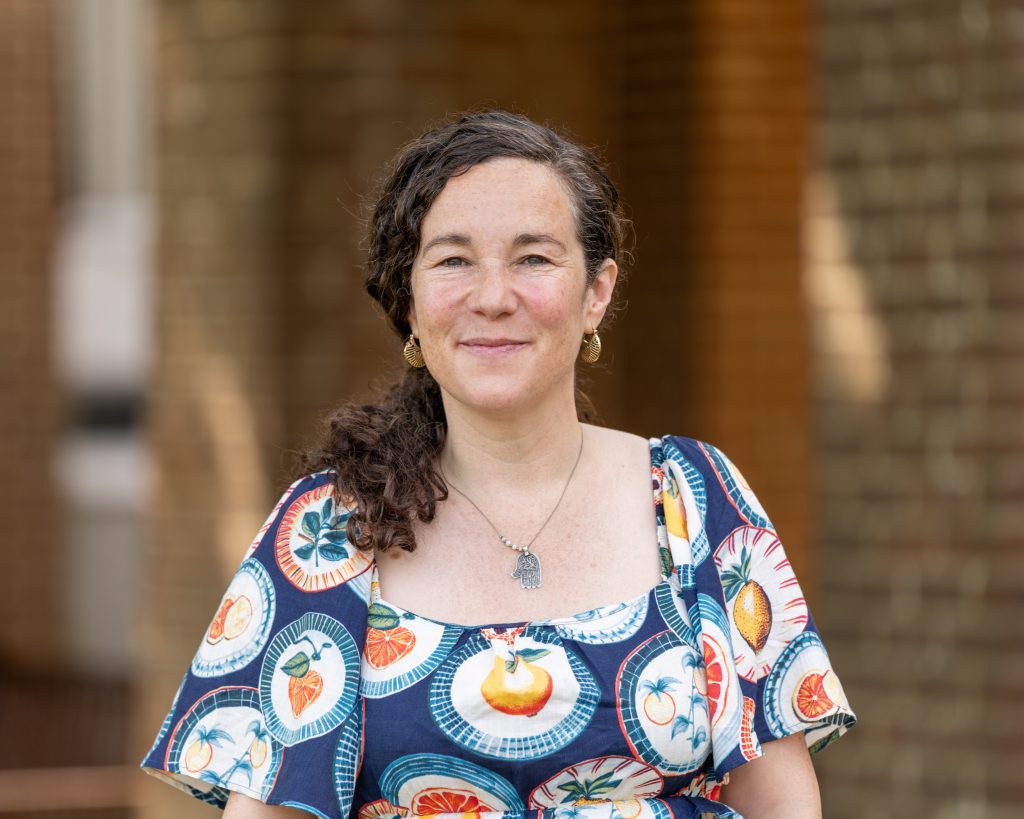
(691,454)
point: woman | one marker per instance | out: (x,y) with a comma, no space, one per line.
(590,623)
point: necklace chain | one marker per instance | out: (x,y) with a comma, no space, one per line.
(527,565)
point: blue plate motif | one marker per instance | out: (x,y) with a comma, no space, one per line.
(605,624)
(253,582)
(398,783)
(661,670)
(803,654)
(434,641)
(225,724)
(334,656)
(553,727)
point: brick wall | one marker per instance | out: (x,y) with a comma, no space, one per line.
(714,141)
(30,584)
(915,229)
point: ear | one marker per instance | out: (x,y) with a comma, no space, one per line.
(599,293)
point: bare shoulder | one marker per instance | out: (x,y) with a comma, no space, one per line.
(617,447)
(617,437)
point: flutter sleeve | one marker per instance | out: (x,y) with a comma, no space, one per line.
(269,706)
(767,671)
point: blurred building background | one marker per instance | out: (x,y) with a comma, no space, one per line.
(829,204)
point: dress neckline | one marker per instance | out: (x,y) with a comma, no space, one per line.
(587,615)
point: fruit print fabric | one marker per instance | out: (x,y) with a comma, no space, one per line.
(309,690)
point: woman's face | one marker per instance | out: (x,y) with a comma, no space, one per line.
(500,300)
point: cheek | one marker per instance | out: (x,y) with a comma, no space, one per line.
(437,309)
(558,310)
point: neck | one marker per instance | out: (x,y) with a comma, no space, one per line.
(510,455)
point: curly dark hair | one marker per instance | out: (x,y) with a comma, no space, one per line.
(384,455)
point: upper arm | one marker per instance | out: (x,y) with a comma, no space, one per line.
(780,783)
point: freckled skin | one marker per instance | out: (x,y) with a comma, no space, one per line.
(490,286)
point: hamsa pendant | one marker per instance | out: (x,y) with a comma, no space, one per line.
(528,570)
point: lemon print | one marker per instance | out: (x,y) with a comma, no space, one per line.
(517,686)
(238,617)
(258,753)
(753,615)
(198,756)
(659,705)
(675,513)
(752,610)
(200,752)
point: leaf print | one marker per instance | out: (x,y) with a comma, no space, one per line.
(325,535)
(311,524)
(738,575)
(680,723)
(215,735)
(732,582)
(698,737)
(666,560)
(603,784)
(332,551)
(297,666)
(590,788)
(245,767)
(527,655)
(381,617)
(659,686)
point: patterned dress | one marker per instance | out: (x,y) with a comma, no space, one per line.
(309,690)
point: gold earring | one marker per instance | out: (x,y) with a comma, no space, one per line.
(590,350)
(412,352)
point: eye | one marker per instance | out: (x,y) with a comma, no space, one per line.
(457,259)
(533,260)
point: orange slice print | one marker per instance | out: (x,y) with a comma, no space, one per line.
(387,646)
(715,678)
(811,700)
(216,631)
(447,800)
(381,809)
(303,691)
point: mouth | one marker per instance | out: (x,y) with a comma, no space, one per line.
(492,346)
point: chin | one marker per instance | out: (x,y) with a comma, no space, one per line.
(496,401)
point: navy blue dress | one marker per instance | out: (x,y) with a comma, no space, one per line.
(309,690)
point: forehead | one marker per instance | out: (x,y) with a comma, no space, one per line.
(502,195)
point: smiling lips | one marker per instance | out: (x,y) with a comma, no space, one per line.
(492,346)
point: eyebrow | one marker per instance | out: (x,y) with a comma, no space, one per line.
(521,239)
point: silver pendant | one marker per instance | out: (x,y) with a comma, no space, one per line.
(528,570)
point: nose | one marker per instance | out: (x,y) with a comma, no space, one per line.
(493,289)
